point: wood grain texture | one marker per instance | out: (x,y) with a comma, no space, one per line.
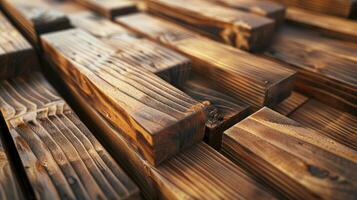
(264,8)
(222,112)
(110,8)
(327,67)
(35,17)
(61,157)
(290,104)
(160,119)
(241,29)
(338,125)
(341,8)
(254,80)
(16,55)
(167,64)
(294,160)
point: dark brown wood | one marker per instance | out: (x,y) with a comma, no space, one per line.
(264,8)
(296,161)
(61,157)
(327,67)
(160,119)
(238,28)
(222,112)
(167,64)
(331,122)
(290,104)
(16,55)
(35,17)
(110,8)
(254,80)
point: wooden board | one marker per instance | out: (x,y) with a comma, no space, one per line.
(16,55)
(331,122)
(61,157)
(222,112)
(167,64)
(341,8)
(160,119)
(110,8)
(290,104)
(238,28)
(264,8)
(296,161)
(254,80)
(327,67)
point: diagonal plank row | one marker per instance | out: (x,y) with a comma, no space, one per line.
(61,157)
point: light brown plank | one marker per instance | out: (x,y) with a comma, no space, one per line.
(61,157)
(254,80)
(292,159)
(238,28)
(290,104)
(160,119)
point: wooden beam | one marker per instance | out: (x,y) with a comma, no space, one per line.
(35,17)
(290,104)
(254,80)
(238,28)
(223,111)
(296,161)
(16,55)
(160,119)
(167,64)
(61,157)
(326,66)
(338,125)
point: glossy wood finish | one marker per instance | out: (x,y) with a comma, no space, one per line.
(290,104)
(35,17)
(160,119)
(254,80)
(16,55)
(241,29)
(61,157)
(167,64)
(294,160)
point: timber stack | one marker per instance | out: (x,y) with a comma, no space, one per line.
(186,99)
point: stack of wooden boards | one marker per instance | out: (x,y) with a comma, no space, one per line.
(149,89)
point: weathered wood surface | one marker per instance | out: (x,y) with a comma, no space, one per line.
(290,104)
(338,125)
(300,163)
(167,64)
(223,111)
(16,55)
(254,80)
(329,25)
(160,119)
(264,8)
(35,17)
(327,67)
(61,157)
(238,28)
(110,8)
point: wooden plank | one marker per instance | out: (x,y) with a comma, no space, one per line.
(61,157)
(254,80)
(222,112)
(327,67)
(341,8)
(241,29)
(110,8)
(160,119)
(331,26)
(167,64)
(290,104)
(300,163)
(35,17)
(331,122)
(264,8)
(16,55)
